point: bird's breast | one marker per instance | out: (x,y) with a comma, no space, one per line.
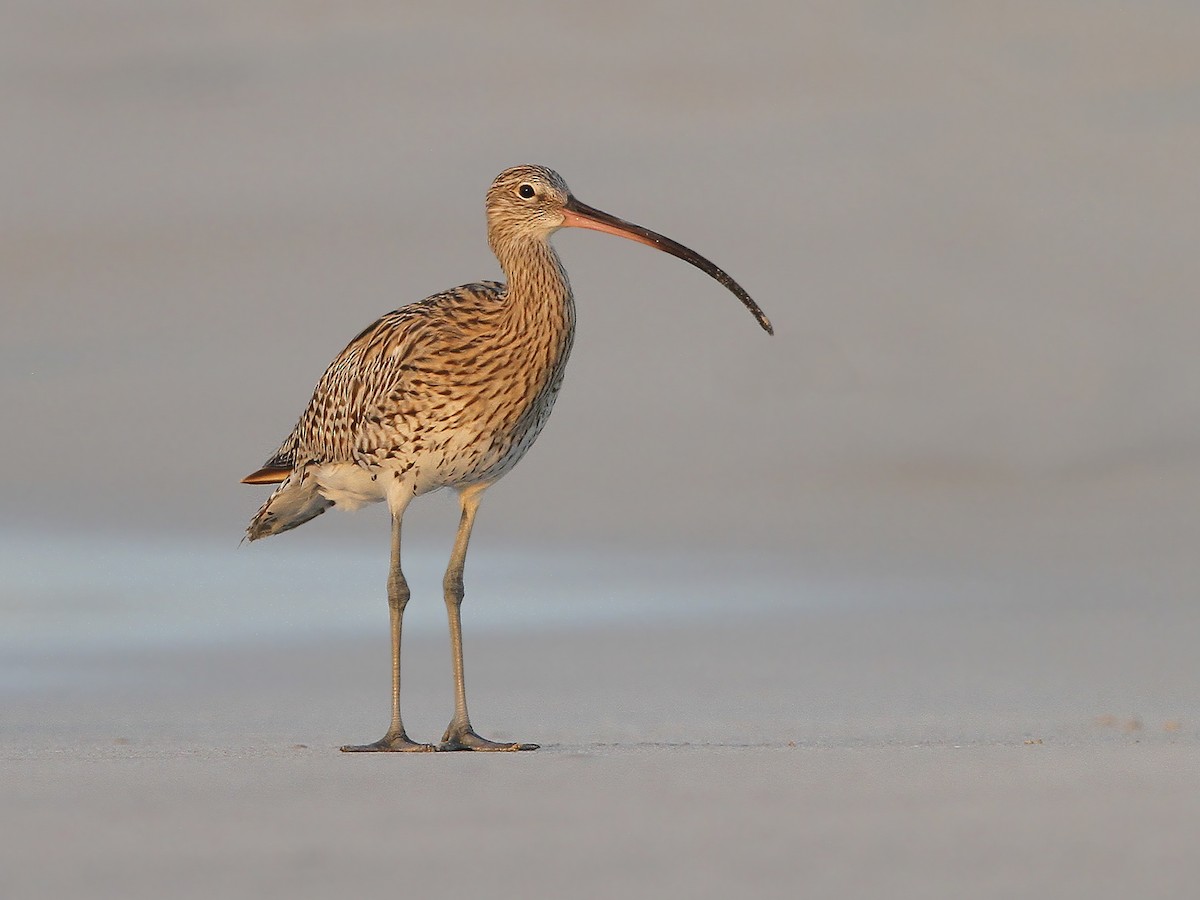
(470,412)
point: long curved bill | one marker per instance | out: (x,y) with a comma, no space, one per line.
(580,215)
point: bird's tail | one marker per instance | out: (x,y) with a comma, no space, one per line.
(294,502)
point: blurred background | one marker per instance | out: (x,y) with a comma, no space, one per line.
(974,227)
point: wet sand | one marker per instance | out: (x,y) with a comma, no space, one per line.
(987,750)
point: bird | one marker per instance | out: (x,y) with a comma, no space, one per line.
(450,391)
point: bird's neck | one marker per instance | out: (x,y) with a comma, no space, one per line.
(538,293)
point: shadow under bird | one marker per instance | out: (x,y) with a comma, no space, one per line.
(449,392)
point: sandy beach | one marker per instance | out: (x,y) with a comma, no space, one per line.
(990,751)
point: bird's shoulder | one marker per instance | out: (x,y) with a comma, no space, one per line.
(406,340)
(420,326)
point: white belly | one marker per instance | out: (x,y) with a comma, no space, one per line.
(350,486)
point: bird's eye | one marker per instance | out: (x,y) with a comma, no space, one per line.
(526,191)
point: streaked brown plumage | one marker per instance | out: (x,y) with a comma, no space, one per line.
(448,392)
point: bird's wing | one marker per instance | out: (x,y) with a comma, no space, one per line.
(363,393)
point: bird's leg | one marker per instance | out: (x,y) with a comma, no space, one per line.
(395,739)
(460,735)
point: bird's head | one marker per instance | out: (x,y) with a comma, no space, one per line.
(529,203)
(526,202)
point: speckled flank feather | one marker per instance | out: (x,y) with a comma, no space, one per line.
(452,390)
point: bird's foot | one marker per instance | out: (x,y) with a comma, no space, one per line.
(390,743)
(465,738)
